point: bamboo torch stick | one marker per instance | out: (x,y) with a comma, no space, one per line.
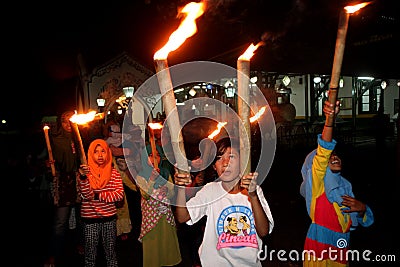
(174,125)
(243,75)
(338,56)
(186,29)
(49,150)
(79,138)
(244,112)
(82,119)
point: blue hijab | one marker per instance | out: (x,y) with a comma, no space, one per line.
(147,169)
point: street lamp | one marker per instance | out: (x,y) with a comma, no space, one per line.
(123,100)
(230,92)
(229,89)
(383,84)
(101,102)
(128,91)
(192,92)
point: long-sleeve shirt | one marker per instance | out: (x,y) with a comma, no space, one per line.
(105,205)
(329,233)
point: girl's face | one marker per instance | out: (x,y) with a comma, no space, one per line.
(65,123)
(100,155)
(228,165)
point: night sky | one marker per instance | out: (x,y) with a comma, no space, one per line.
(41,42)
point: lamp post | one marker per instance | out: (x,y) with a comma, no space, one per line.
(123,101)
(101,102)
(128,91)
(230,93)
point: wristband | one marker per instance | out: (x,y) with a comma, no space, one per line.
(328,125)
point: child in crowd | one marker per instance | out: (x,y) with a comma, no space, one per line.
(225,201)
(124,224)
(158,231)
(101,187)
(330,203)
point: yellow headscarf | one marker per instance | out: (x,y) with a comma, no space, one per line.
(100,174)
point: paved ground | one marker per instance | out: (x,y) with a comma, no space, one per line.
(373,171)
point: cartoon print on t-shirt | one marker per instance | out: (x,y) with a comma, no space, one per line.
(234,233)
(246,226)
(232,227)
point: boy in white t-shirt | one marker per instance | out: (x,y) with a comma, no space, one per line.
(238,215)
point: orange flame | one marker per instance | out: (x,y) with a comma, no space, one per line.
(216,131)
(355,8)
(186,29)
(155,126)
(258,114)
(84,118)
(249,53)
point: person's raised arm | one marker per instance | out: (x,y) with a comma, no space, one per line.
(330,110)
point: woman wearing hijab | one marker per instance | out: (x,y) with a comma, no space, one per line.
(65,193)
(158,230)
(101,187)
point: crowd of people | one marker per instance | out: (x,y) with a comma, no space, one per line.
(226,216)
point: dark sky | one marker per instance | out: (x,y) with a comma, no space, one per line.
(42,41)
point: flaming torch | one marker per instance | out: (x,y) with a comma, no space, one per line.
(258,114)
(243,67)
(339,51)
(218,130)
(49,150)
(186,29)
(152,127)
(82,119)
(207,144)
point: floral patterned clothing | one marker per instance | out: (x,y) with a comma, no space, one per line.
(155,205)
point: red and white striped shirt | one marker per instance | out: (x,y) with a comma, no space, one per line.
(105,205)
